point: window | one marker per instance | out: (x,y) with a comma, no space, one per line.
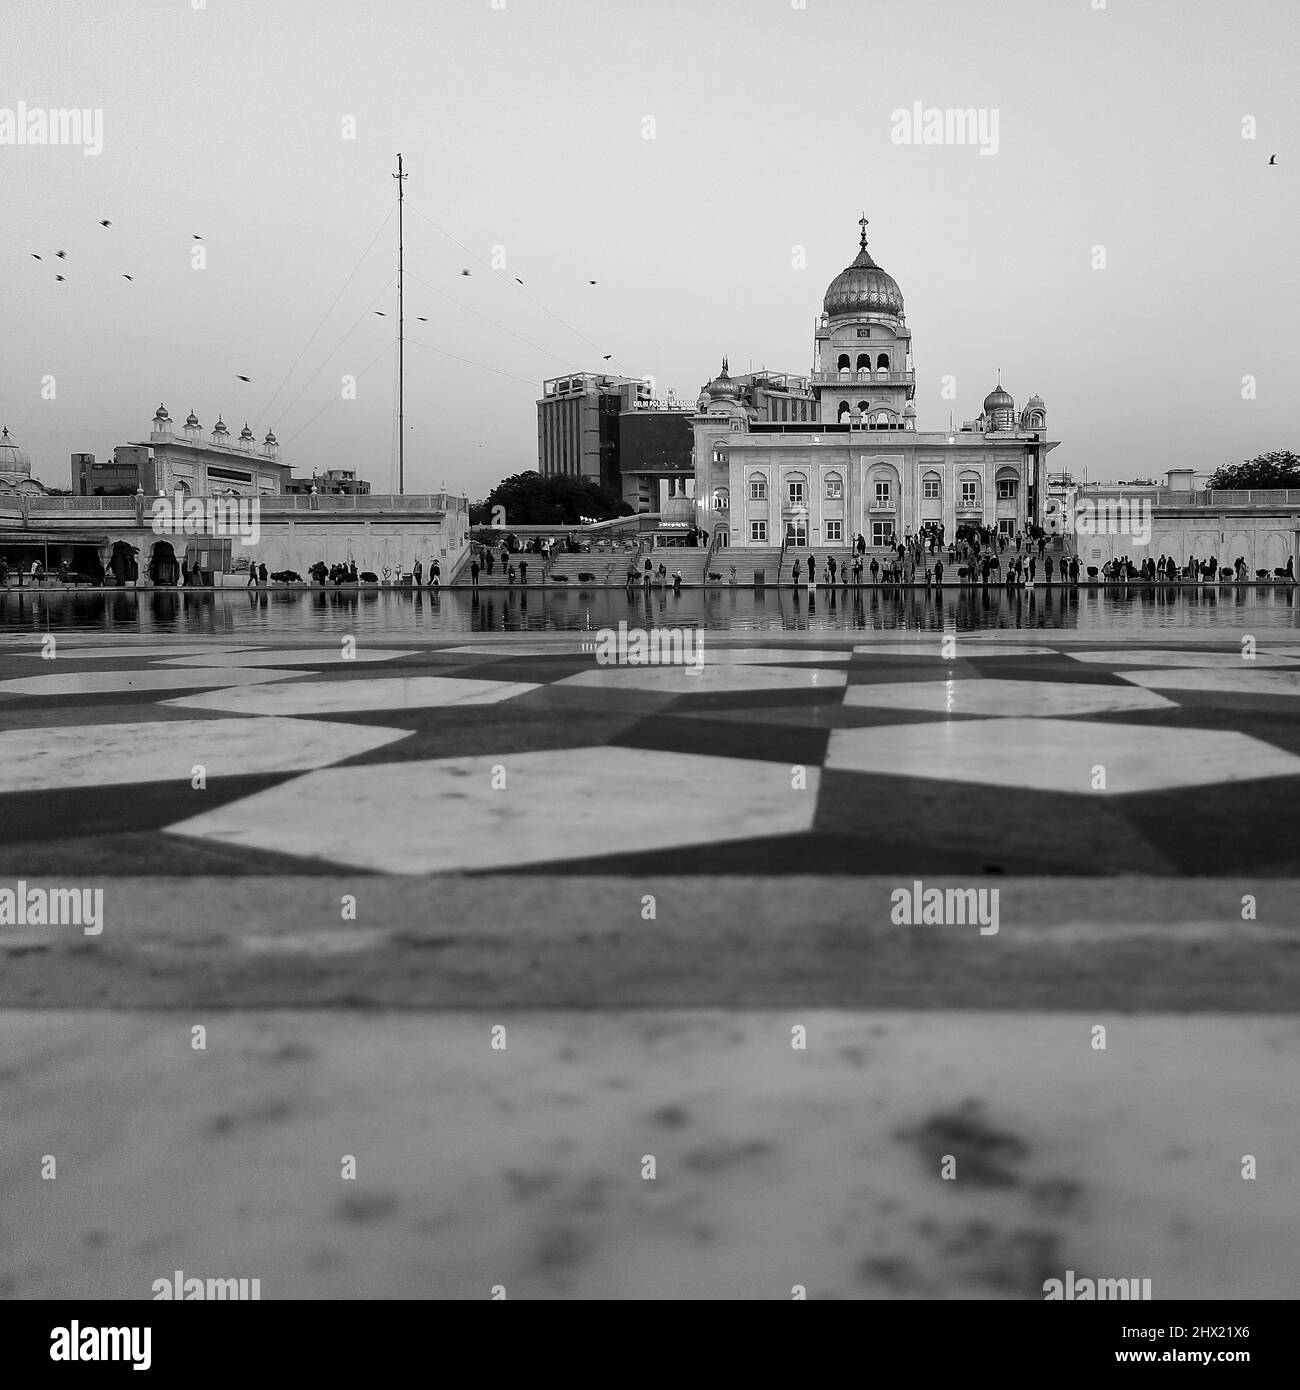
(844,361)
(864,361)
(757,489)
(882,494)
(1006,489)
(795,492)
(834,530)
(1006,526)
(842,412)
(883,361)
(719,454)
(882,533)
(721,500)
(834,485)
(968,494)
(930,489)
(796,532)
(758,530)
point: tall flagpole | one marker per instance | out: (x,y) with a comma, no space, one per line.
(401,344)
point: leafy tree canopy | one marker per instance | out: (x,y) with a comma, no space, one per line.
(529,499)
(1281,468)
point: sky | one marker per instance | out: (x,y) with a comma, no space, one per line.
(704,163)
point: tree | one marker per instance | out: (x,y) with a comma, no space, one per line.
(529,499)
(1281,468)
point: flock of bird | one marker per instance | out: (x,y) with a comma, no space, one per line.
(63,255)
(106,223)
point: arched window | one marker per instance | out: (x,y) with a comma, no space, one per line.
(864,360)
(882,421)
(883,361)
(931,487)
(721,499)
(864,406)
(796,490)
(757,487)
(844,366)
(834,486)
(842,412)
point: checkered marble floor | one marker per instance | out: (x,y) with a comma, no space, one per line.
(499,812)
(907,753)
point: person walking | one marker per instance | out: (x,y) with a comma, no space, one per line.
(830,569)
(1047,568)
(435,575)
(938,572)
(875,568)
(261,574)
(812,570)
(489,560)
(473,574)
(523,571)
(417,573)
(796,571)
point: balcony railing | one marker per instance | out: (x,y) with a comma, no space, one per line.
(855,378)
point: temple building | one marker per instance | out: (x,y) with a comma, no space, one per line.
(211,465)
(814,462)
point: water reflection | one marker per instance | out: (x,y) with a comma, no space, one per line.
(319,610)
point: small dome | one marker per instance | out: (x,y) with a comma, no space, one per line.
(722,387)
(246,433)
(998,399)
(220,427)
(270,438)
(191,421)
(160,415)
(14,462)
(1035,402)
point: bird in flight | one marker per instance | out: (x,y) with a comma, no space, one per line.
(1272,159)
(243,378)
(381,313)
(35,257)
(607,356)
(518,281)
(128,277)
(60,277)
(464,272)
(422,319)
(194,236)
(591,282)
(105,223)
(62,255)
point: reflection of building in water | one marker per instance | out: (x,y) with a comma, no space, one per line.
(816,461)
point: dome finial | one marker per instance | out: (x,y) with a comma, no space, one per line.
(724,366)
(862,240)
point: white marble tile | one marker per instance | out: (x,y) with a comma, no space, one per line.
(683,680)
(715,655)
(337,697)
(166,751)
(1238,680)
(572,646)
(1186,659)
(293,656)
(976,696)
(120,652)
(1056,755)
(445,815)
(100,682)
(962,650)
